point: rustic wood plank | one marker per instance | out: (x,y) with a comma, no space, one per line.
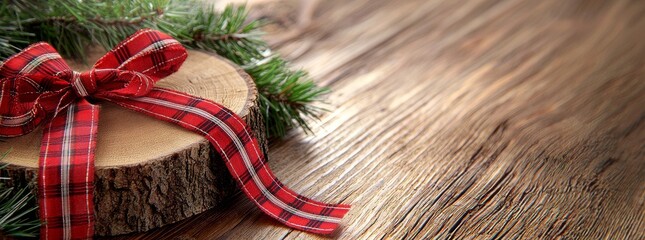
(466,119)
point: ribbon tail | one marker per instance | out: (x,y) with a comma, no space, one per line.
(232,138)
(66,173)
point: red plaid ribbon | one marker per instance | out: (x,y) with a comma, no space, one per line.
(37,87)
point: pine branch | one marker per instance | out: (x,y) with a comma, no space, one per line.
(17,210)
(286,96)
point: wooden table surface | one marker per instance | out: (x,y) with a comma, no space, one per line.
(464,119)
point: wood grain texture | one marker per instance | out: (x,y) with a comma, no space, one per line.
(465,119)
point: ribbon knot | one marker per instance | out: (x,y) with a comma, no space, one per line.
(111,83)
(38,87)
(79,84)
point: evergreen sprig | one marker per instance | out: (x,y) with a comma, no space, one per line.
(17,210)
(286,96)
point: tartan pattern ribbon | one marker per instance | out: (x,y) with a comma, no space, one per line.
(37,88)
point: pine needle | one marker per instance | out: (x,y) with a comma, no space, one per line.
(17,210)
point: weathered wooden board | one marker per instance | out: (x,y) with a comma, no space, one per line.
(465,119)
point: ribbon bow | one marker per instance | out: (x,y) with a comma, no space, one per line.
(38,87)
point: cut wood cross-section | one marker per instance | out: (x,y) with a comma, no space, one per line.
(151,173)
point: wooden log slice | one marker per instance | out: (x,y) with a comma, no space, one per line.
(151,173)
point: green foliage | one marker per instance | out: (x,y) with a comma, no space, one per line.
(17,210)
(71,25)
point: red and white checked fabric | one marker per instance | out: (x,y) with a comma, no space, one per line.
(37,87)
